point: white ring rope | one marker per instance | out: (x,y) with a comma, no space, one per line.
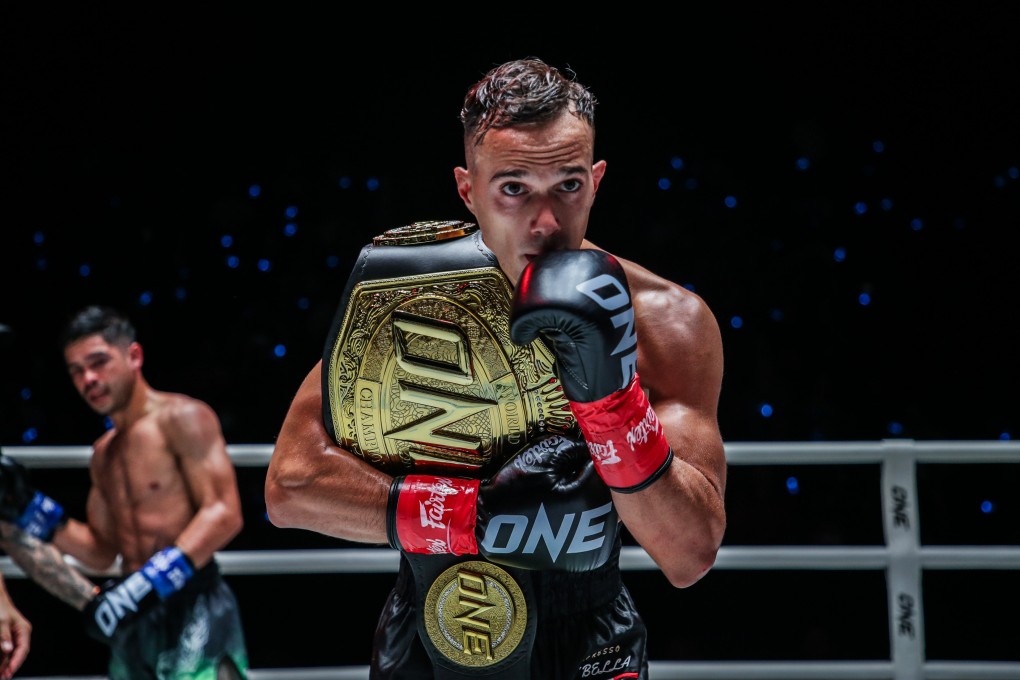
(902,558)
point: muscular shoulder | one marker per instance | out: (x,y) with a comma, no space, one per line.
(679,342)
(184,419)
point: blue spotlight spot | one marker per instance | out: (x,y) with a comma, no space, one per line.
(987,507)
(689,286)
(776,314)
(226,240)
(280,350)
(108,422)
(181,293)
(677,163)
(803,163)
(999,181)
(864,299)
(264,265)
(765,410)
(30,435)
(84,270)
(860,207)
(291,212)
(895,428)
(736,321)
(233,261)
(41,264)
(691,184)
(916,224)
(839,254)
(26,393)
(304,303)
(1005,436)
(878,146)
(372,183)
(38,238)
(332,261)
(886,204)
(289,229)
(664,183)
(145,298)
(254,191)
(344,182)
(792,486)
(730,201)
(1013,172)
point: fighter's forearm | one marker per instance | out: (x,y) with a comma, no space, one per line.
(45,565)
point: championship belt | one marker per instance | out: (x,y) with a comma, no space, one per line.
(420,376)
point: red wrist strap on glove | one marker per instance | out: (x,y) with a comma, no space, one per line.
(624,438)
(437,515)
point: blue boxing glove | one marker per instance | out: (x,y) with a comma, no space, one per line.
(120,603)
(23,505)
(579,302)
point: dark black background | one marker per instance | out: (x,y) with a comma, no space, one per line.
(129,144)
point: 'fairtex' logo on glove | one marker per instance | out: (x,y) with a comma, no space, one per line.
(603,453)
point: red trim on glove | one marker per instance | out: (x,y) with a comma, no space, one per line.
(437,515)
(624,436)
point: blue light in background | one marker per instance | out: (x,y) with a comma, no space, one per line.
(26,393)
(233,261)
(839,254)
(181,293)
(916,224)
(803,163)
(291,212)
(332,261)
(344,182)
(860,207)
(765,410)
(289,229)
(30,435)
(280,350)
(38,238)
(664,183)
(886,204)
(226,240)
(145,298)
(254,191)
(677,163)
(372,184)
(730,201)
(895,428)
(878,146)
(736,321)
(987,507)
(864,299)
(792,486)
(264,265)
(304,303)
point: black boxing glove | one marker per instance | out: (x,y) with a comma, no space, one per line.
(23,505)
(544,509)
(578,301)
(120,603)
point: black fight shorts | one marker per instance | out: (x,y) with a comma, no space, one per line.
(587,627)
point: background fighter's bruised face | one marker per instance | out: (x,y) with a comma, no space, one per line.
(102,373)
(531,188)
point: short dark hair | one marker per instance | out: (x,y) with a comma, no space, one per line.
(522,91)
(115,328)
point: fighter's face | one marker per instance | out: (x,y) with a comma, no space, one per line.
(531,189)
(103,374)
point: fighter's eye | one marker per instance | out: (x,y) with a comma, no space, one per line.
(512,188)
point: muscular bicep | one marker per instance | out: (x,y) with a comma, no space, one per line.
(681,366)
(195,437)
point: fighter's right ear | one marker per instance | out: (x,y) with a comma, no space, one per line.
(464,187)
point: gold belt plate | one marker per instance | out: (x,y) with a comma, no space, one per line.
(423,376)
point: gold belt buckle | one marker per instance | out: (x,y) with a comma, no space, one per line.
(475,614)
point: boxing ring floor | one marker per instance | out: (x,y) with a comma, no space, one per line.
(903,559)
